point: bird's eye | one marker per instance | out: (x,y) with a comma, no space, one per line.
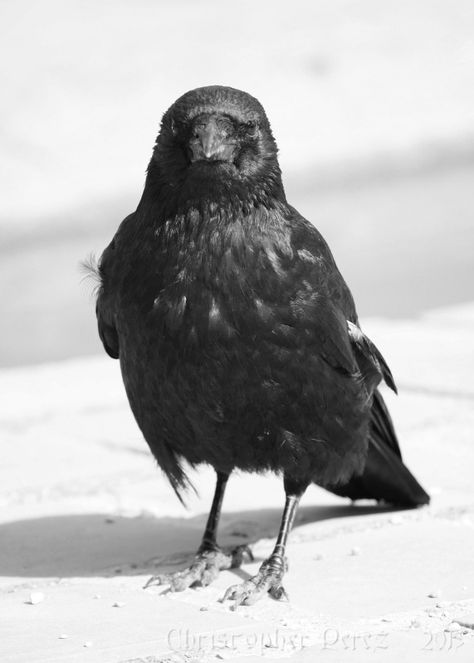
(251,127)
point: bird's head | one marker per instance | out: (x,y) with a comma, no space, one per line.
(216,135)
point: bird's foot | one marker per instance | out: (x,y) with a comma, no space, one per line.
(268,580)
(204,568)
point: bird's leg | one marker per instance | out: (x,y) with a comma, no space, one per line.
(209,559)
(272,570)
(209,538)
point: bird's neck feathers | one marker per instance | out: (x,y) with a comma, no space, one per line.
(174,189)
(218,241)
(212,212)
(208,226)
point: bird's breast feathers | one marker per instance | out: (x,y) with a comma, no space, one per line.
(224,274)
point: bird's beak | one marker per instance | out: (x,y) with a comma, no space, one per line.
(210,143)
(210,140)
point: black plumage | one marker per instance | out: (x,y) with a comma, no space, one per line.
(237,336)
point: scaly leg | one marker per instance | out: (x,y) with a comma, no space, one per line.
(271,572)
(209,559)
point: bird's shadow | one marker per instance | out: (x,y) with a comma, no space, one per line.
(96,545)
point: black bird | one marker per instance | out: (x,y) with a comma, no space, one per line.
(238,338)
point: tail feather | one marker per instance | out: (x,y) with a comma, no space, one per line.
(385,477)
(381,425)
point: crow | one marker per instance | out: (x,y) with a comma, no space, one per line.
(238,338)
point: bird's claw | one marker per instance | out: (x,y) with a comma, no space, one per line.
(203,570)
(154,580)
(177,581)
(267,581)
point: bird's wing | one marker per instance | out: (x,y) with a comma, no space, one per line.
(369,356)
(108,333)
(328,305)
(384,476)
(108,271)
(105,304)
